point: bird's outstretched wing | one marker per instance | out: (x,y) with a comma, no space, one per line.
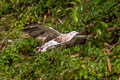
(41,32)
(48,45)
(78,39)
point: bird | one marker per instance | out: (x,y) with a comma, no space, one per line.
(53,38)
(60,40)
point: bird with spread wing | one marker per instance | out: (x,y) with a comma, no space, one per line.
(52,38)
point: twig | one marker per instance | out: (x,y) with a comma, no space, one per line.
(44,19)
(108,59)
(3,44)
(45,16)
(109,65)
(60,20)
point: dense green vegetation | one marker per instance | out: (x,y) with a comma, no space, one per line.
(100,18)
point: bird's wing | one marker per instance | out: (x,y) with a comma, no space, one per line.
(40,31)
(53,30)
(78,39)
(81,36)
(51,43)
(33,31)
(48,45)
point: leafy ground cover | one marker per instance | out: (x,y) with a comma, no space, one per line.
(97,58)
